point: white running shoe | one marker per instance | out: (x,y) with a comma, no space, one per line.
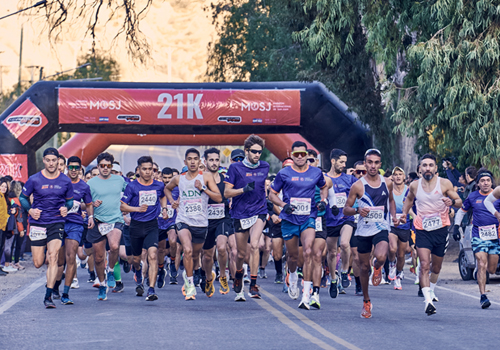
(241,295)
(433,296)
(430,309)
(304,303)
(392,270)
(397,283)
(75,284)
(293,290)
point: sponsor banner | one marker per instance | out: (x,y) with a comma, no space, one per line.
(25,122)
(179,107)
(15,165)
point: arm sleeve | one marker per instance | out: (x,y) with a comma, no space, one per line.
(488,203)
(459,216)
(25,201)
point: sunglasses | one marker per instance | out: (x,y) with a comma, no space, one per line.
(238,159)
(255,151)
(299,153)
(109,166)
(155,170)
(311,160)
(359,172)
(73,167)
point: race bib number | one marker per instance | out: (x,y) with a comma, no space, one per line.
(340,199)
(319,224)
(104,228)
(356,218)
(170,212)
(38,233)
(488,233)
(302,206)
(431,223)
(76,207)
(193,207)
(147,197)
(247,223)
(376,214)
(216,211)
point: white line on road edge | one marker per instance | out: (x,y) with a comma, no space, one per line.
(287,322)
(27,291)
(310,323)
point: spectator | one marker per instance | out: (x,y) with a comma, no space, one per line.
(6,239)
(452,173)
(21,223)
(470,177)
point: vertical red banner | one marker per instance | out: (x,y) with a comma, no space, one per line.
(15,165)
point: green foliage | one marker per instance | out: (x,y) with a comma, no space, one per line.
(100,66)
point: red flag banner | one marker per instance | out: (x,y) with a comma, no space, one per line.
(25,121)
(15,165)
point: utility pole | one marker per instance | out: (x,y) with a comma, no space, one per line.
(20,60)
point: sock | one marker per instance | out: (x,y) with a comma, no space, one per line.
(261,253)
(190,281)
(316,290)
(202,273)
(56,285)
(433,285)
(358,281)
(253,280)
(239,274)
(293,277)
(307,289)
(48,293)
(172,259)
(278,265)
(349,270)
(427,293)
(109,269)
(245,268)
(117,272)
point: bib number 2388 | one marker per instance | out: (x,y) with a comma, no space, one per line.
(193,207)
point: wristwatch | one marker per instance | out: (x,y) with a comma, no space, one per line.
(203,188)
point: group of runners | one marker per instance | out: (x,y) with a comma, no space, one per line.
(164,222)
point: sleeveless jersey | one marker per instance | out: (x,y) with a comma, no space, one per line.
(432,213)
(218,211)
(399,200)
(378,200)
(193,204)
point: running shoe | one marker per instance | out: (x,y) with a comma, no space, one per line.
(324,281)
(217,271)
(162,274)
(254,292)
(334,291)
(197,277)
(111,279)
(262,273)
(304,303)
(65,300)
(367,309)
(430,309)
(246,279)
(417,280)
(173,272)
(433,296)
(203,283)
(397,283)
(315,301)
(377,274)
(392,270)
(341,289)
(138,276)
(55,294)
(238,285)
(345,280)
(75,284)
(96,284)
(359,290)
(151,295)
(224,286)
(173,280)
(49,304)
(299,272)
(126,266)
(293,290)
(91,277)
(279,278)
(285,288)
(190,292)
(118,288)
(103,293)
(420,293)
(139,290)
(209,286)
(240,296)
(485,303)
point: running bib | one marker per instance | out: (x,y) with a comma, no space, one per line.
(193,207)
(216,211)
(488,233)
(247,223)
(104,228)
(76,206)
(340,199)
(170,212)
(38,233)
(356,218)
(302,206)
(319,224)
(147,197)
(376,214)
(431,223)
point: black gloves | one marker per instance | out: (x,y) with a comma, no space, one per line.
(288,209)
(335,210)
(456,233)
(249,187)
(322,206)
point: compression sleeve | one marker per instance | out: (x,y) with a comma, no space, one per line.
(488,203)
(25,202)
(69,203)
(459,216)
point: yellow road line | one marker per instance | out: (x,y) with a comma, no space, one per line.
(293,326)
(309,322)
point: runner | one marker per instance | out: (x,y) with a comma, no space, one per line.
(106,190)
(398,236)
(74,226)
(52,198)
(245,184)
(195,188)
(375,204)
(142,200)
(298,216)
(485,243)
(433,196)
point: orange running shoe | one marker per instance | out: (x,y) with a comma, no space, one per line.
(287,279)
(377,274)
(367,309)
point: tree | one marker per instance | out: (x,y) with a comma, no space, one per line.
(99,66)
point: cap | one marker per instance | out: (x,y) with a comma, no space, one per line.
(397,168)
(117,168)
(51,151)
(287,162)
(184,169)
(237,153)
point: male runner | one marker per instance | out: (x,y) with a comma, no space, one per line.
(398,236)
(298,216)
(485,243)
(375,204)
(433,196)
(195,188)
(245,184)
(106,190)
(74,226)
(142,200)
(52,198)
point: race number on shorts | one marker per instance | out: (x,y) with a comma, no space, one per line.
(104,228)
(38,233)
(488,233)
(318,224)
(216,211)
(247,223)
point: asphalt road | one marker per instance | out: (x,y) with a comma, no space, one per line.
(125,321)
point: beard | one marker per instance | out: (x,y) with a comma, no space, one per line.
(428,176)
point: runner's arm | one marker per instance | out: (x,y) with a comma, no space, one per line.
(124,207)
(353,195)
(171,185)
(392,203)
(212,190)
(273,197)
(230,192)
(459,216)
(452,195)
(492,198)
(410,198)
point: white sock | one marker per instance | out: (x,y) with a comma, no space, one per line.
(110,270)
(427,294)
(190,281)
(307,289)
(245,270)
(433,285)
(293,277)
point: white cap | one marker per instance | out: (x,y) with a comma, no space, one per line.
(117,168)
